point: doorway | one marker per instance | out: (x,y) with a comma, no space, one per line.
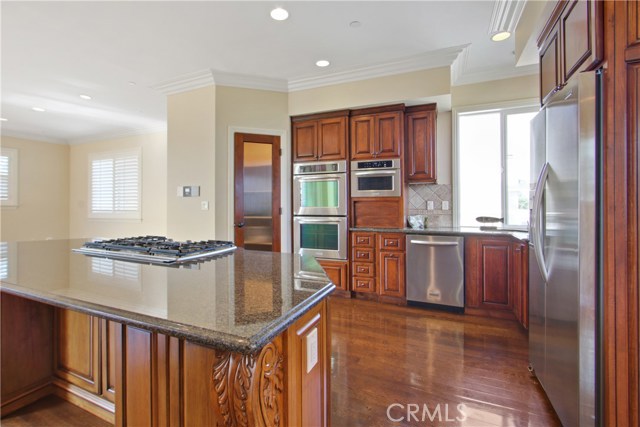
(257,192)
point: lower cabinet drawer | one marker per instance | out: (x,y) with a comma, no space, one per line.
(363,284)
(363,269)
(362,255)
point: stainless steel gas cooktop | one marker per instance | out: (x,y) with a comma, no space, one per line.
(156,249)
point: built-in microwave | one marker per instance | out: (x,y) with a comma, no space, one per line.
(320,188)
(376,178)
(322,237)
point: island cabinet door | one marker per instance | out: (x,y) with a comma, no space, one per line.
(308,351)
(77,350)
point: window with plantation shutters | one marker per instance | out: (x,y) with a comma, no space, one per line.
(115,185)
(9,177)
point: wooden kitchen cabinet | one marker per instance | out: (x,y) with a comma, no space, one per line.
(377,132)
(378,212)
(488,274)
(320,137)
(337,271)
(420,152)
(391,264)
(77,349)
(497,277)
(570,42)
(378,263)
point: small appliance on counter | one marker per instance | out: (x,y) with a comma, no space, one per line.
(155,249)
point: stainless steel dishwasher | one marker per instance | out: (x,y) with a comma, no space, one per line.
(435,270)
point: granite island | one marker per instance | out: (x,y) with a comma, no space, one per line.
(230,341)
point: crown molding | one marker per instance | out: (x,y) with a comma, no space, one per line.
(505,16)
(185,82)
(459,65)
(31,137)
(427,60)
(495,74)
(116,135)
(249,82)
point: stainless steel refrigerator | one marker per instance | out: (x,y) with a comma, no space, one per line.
(564,250)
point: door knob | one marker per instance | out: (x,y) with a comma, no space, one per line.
(240,225)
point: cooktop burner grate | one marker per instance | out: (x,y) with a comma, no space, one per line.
(156,249)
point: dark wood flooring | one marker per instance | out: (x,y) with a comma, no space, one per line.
(384,355)
(52,411)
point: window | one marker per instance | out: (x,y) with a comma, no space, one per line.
(115,185)
(492,164)
(9,177)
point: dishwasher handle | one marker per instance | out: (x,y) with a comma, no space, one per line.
(427,243)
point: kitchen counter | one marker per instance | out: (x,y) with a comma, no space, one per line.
(233,340)
(237,302)
(451,231)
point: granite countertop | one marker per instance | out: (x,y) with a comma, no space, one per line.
(451,231)
(238,301)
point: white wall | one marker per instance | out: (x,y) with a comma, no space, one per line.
(43,192)
(249,111)
(494,91)
(154,184)
(191,160)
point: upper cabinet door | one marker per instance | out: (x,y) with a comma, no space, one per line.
(389,134)
(421,144)
(332,139)
(305,141)
(549,66)
(362,137)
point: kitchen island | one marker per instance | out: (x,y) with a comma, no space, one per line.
(230,341)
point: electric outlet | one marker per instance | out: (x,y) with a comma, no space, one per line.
(204,205)
(429,205)
(445,205)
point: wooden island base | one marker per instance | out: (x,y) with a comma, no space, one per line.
(132,376)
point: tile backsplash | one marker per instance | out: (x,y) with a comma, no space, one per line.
(419,194)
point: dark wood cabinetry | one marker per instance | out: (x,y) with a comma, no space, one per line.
(391,264)
(378,264)
(377,132)
(337,271)
(378,212)
(320,136)
(497,277)
(420,152)
(570,42)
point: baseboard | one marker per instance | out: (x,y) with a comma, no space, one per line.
(496,314)
(91,403)
(26,398)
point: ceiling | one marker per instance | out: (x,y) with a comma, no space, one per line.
(127,55)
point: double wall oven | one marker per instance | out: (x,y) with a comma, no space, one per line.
(320,213)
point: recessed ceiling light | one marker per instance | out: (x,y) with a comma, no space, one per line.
(38,109)
(502,35)
(2,119)
(87,97)
(279,14)
(323,63)
(355,24)
(132,83)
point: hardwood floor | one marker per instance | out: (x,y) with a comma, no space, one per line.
(384,355)
(52,411)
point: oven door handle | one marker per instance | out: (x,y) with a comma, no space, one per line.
(383,172)
(327,221)
(318,178)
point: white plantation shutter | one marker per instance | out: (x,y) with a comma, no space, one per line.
(9,177)
(4,260)
(115,185)
(114,268)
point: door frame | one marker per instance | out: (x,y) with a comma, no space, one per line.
(285,183)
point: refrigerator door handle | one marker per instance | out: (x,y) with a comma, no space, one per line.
(536,229)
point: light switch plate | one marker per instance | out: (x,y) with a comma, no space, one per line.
(445,205)
(312,349)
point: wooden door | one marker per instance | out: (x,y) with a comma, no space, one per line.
(388,135)
(257,191)
(550,65)
(332,139)
(337,271)
(77,353)
(362,137)
(305,141)
(488,265)
(421,144)
(391,273)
